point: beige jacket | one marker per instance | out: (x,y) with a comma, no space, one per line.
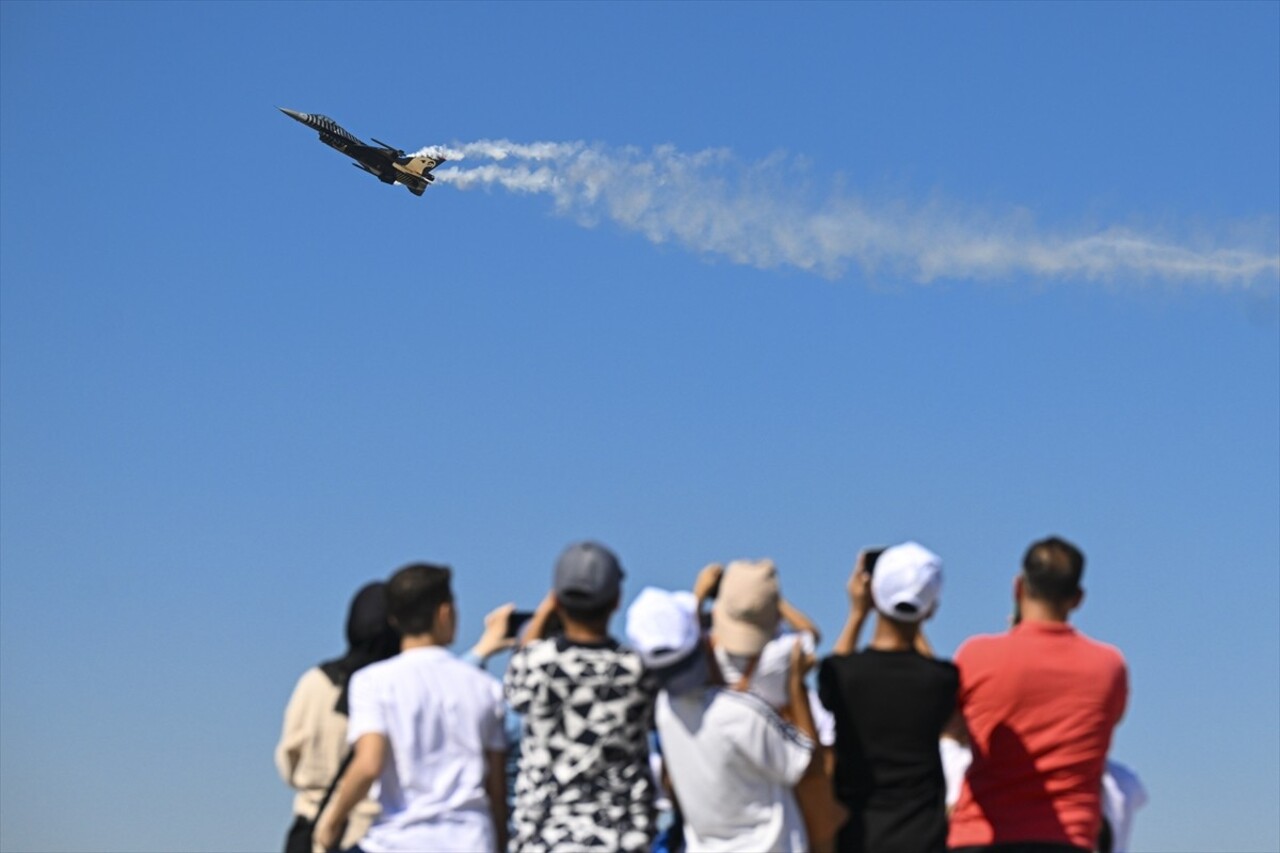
(311,748)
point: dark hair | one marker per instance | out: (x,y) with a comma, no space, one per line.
(370,638)
(415,593)
(1053,568)
(595,617)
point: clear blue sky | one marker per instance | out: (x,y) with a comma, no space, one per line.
(241,378)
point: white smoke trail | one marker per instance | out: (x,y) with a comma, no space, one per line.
(502,149)
(761,215)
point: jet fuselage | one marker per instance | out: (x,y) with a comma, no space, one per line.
(387,164)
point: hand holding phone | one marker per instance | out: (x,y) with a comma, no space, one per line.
(515,621)
(493,639)
(518,619)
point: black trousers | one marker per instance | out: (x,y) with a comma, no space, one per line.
(299,838)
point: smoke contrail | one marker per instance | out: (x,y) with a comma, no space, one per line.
(758,214)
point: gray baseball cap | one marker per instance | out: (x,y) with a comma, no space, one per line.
(587,576)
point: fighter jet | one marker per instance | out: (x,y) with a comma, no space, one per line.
(386,163)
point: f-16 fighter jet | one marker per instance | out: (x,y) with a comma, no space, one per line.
(387,164)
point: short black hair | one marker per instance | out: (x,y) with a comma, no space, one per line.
(595,617)
(1053,568)
(415,593)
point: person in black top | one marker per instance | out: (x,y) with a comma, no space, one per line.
(891,703)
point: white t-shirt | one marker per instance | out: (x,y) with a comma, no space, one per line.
(956,758)
(824,722)
(440,716)
(769,679)
(1122,795)
(733,762)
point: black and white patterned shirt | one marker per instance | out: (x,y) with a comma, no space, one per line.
(584,780)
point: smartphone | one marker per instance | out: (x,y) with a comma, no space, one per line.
(516,620)
(869,559)
(519,618)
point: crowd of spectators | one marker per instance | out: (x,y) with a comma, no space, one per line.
(699,733)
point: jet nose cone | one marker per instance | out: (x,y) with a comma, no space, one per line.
(293,114)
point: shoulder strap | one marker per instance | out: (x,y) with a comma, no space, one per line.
(333,786)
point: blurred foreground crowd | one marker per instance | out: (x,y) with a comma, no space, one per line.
(699,733)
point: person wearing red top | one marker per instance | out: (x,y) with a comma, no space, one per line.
(1040,704)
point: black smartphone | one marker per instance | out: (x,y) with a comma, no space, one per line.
(516,620)
(519,618)
(869,559)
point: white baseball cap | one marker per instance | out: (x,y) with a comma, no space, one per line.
(663,626)
(907,582)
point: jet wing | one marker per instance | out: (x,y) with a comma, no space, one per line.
(390,149)
(367,153)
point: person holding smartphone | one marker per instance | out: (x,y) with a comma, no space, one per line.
(891,703)
(587,703)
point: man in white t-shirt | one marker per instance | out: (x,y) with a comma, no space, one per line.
(732,761)
(427,729)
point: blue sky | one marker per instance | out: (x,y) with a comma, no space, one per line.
(967,274)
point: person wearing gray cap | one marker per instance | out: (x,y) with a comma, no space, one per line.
(583,779)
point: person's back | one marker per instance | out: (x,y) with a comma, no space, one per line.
(440,716)
(733,763)
(583,776)
(1040,704)
(587,702)
(890,708)
(1122,794)
(427,728)
(890,705)
(313,739)
(731,759)
(310,753)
